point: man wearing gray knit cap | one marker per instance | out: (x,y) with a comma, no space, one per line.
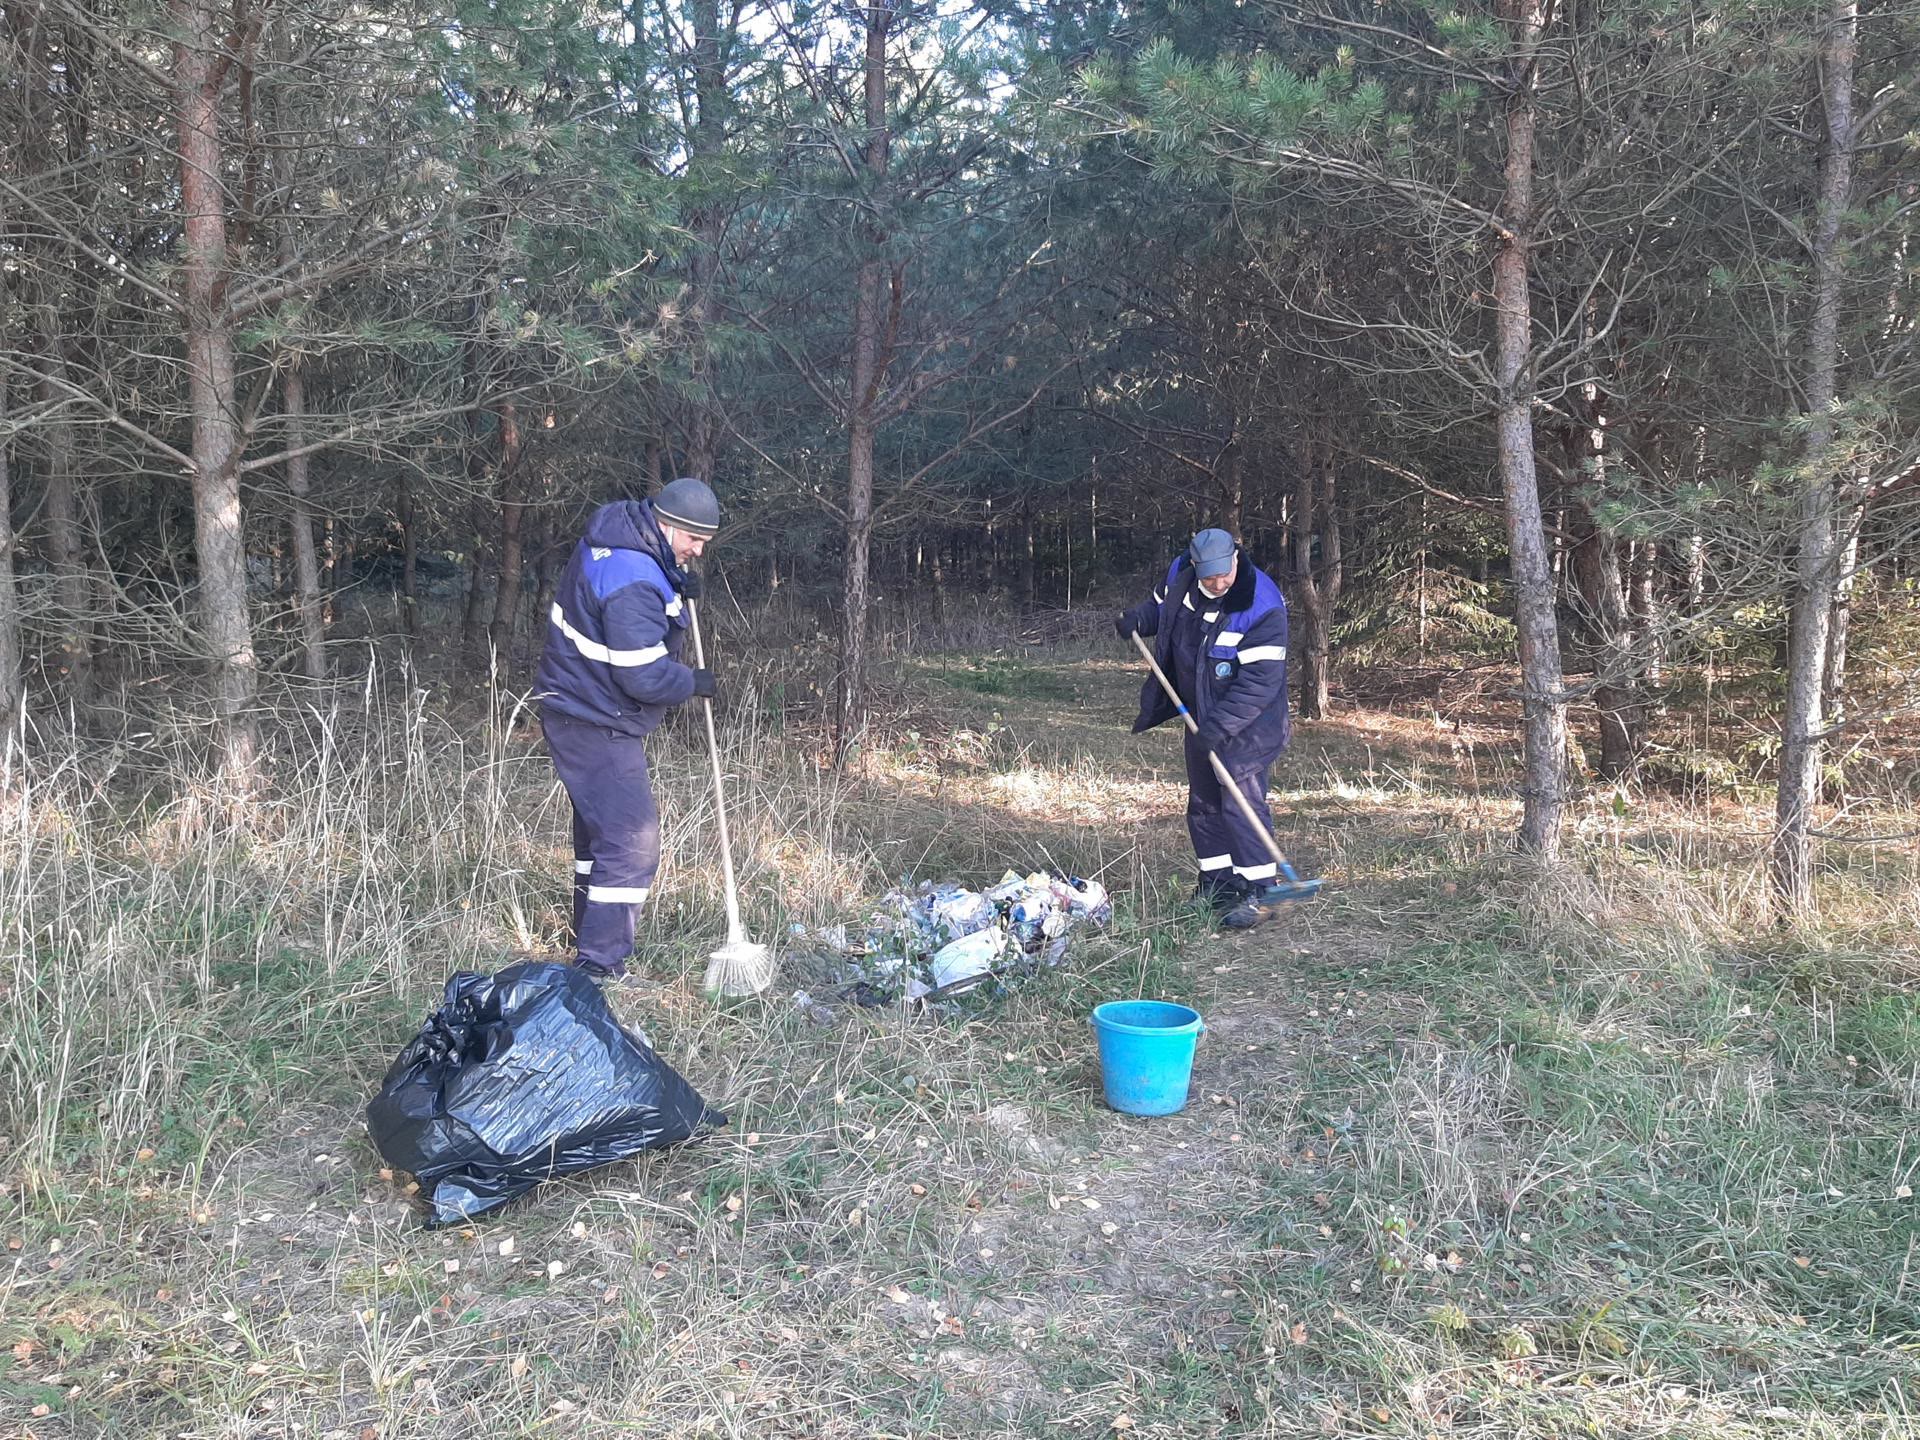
(609,673)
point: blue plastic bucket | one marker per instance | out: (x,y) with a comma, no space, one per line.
(1146,1054)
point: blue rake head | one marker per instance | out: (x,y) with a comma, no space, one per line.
(1291,888)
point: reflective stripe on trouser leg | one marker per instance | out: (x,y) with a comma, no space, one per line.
(616,830)
(582,868)
(1206,824)
(1252,859)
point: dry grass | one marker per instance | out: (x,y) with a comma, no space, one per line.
(1473,1152)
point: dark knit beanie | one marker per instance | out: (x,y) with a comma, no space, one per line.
(687,504)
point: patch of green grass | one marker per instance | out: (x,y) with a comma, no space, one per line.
(1001,677)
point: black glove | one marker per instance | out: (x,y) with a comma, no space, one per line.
(690,585)
(1123,626)
(703,686)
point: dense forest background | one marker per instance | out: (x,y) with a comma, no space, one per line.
(1574,334)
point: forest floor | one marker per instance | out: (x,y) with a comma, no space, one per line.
(1471,1151)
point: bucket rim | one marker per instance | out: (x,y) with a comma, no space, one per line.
(1193,1025)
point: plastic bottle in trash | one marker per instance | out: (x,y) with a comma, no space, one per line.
(1027,918)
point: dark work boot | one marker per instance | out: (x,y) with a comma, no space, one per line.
(1250,912)
(1219,890)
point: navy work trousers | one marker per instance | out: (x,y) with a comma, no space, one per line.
(616,836)
(1233,856)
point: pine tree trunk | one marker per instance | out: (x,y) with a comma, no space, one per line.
(12,653)
(329,570)
(707,140)
(1314,515)
(1029,558)
(870,357)
(547,569)
(476,589)
(1817,539)
(1644,613)
(219,542)
(66,554)
(409,561)
(306,560)
(506,598)
(1598,580)
(1230,481)
(1543,706)
(1833,684)
(851,711)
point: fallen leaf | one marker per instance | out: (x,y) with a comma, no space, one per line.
(386,1175)
(579,1229)
(898,1296)
(856,1216)
(40,1412)
(610,1294)
(918,1189)
(144,1153)
(23,1351)
(1122,1422)
(1089,1202)
(506,1246)
(1802,1261)
(1107,1227)
(257,1369)
(1905,1192)
(564,1407)
(518,1367)
(556,1268)
(453,1267)
(1297,1333)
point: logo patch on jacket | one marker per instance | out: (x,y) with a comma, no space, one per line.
(1223,669)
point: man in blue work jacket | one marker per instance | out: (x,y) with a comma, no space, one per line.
(610,671)
(1220,628)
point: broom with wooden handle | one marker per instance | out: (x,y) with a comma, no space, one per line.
(1295,888)
(740,967)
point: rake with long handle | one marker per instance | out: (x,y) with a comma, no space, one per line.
(740,967)
(1295,888)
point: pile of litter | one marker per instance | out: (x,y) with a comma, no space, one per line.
(940,939)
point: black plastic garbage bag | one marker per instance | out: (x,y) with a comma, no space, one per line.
(521,1077)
